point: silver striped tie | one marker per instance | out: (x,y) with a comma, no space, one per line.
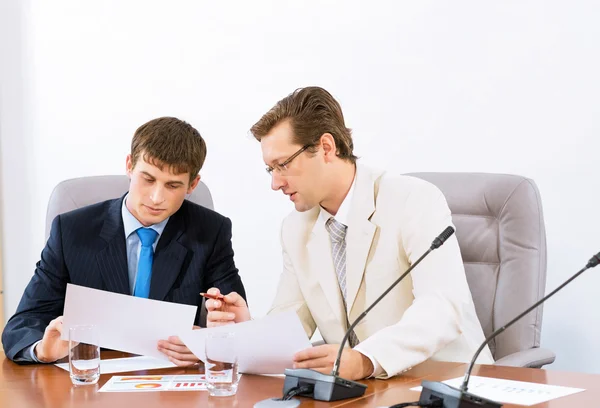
(337,235)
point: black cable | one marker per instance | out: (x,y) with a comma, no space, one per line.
(290,391)
(430,404)
(303,389)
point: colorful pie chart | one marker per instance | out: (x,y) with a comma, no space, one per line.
(148,385)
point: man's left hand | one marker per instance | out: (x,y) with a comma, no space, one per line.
(177,352)
(353,365)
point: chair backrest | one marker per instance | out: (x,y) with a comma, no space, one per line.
(500,231)
(78,192)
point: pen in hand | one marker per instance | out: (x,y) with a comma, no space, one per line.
(209,296)
(215,297)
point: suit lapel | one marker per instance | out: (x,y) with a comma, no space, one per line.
(320,263)
(360,232)
(112,259)
(168,258)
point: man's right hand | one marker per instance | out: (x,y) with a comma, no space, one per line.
(52,348)
(231,309)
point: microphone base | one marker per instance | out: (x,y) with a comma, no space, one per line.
(326,387)
(453,397)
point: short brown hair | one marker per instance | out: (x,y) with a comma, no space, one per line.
(171,142)
(312,111)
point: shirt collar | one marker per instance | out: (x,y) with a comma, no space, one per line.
(131,224)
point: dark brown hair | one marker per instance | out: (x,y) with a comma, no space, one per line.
(312,111)
(171,142)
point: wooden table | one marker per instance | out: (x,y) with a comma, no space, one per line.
(49,386)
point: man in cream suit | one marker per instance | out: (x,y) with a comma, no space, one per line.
(354,232)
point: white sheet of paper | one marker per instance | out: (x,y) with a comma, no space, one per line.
(126,323)
(127,364)
(264,346)
(512,392)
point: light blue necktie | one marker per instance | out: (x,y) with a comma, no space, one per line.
(144,271)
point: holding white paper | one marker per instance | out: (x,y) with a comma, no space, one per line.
(126,323)
(264,346)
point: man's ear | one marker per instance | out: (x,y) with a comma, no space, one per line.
(129,166)
(329,148)
(193,184)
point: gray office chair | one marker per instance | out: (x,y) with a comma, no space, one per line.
(500,231)
(78,192)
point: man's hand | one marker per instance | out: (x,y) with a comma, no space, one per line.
(231,309)
(177,352)
(52,348)
(353,365)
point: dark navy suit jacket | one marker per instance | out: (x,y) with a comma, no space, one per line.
(87,247)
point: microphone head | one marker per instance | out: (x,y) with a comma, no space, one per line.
(443,237)
(595,261)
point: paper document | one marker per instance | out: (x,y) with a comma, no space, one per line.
(141,383)
(264,346)
(511,392)
(126,323)
(127,364)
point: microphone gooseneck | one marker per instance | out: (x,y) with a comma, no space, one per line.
(437,242)
(594,261)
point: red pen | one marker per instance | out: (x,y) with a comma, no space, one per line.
(209,296)
(215,297)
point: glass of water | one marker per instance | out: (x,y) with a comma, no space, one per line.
(84,355)
(221,367)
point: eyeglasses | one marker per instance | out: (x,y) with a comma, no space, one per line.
(282,167)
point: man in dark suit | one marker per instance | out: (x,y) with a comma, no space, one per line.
(149,243)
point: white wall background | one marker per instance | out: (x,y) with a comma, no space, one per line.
(509,87)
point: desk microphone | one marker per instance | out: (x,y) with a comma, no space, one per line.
(332,387)
(460,397)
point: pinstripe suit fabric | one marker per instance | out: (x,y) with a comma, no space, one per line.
(87,247)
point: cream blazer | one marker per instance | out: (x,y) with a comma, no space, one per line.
(392,220)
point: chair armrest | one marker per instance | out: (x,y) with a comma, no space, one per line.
(532,358)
